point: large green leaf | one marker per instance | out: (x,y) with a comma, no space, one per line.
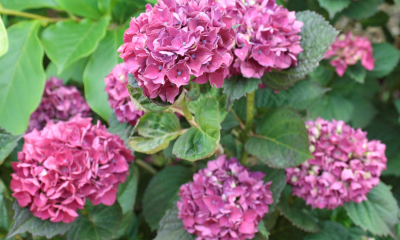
(200,142)
(281,140)
(6,213)
(102,61)
(386,59)
(334,6)
(156,130)
(238,86)
(323,73)
(3,38)
(296,212)
(362,9)
(126,195)
(7,143)
(162,192)
(84,8)
(67,41)
(218,95)
(364,112)
(27,4)
(357,72)
(74,71)
(331,231)
(123,130)
(302,95)
(22,77)
(171,227)
(333,107)
(141,102)
(26,222)
(378,214)
(316,36)
(285,230)
(125,9)
(99,223)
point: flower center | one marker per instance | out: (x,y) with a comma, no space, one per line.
(184,43)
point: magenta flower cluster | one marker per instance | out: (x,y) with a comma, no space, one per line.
(267,37)
(225,201)
(118,95)
(177,41)
(65,163)
(347,50)
(59,102)
(346,166)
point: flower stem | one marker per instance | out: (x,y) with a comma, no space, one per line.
(146,166)
(186,111)
(29,15)
(248,124)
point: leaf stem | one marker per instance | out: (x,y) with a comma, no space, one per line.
(30,15)
(249,123)
(146,166)
(185,110)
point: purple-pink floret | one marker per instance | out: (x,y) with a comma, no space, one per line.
(176,41)
(59,102)
(348,50)
(267,37)
(65,163)
(225,201)
(118,95)
(346,166)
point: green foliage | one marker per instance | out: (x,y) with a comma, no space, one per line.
(22,77)
(331,231)
(28,4)
(7,144)
(238,86)
(386,59)
(3,39)
(171,227)
(126,195)
(362,10)
(86,8)
(357,72)
(334,6)
(141,102)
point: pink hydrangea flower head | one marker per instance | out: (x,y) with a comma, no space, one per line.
(347,50)
(175,42)
(225,201)
(346,166)
(267,37)
(65,163)
(118,95)
(59,102)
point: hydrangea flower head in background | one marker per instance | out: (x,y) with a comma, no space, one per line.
(346,166)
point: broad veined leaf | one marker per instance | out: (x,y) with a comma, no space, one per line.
(201,142)
(141,102)
(28,4)
(85,8)
(126,195)
(296,212)
(364,112)
(162,192)
(238,86)
(7,143)
(378,214)
(26,222)
(171,227)
(218,95)
(100,64)
(331,231)
(316,36)
(6,213)
(302,95)
(67,41)
(124,10)
(74,71)
(334,6)
(100,223)
(357,72)
(3,38)
(156,130)
(323,73)
(285,230)
(123,130)
(22,77)
(397,105)
(362,10)
(333,107)
(386,59)
(281,139)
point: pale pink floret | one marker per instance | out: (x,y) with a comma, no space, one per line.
(63,164)
(118,95)
(225,201)
(347,50)
(59,102)
(346,166)
(266,39)
(175,42)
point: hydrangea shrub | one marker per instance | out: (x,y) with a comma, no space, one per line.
(209,119)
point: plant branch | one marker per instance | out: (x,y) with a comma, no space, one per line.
(249,123)
(29,15)
(241,124)
(146,166)
(188,115)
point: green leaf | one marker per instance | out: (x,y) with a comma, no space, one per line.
(102,61)
(123,130)
(3,38)
(281,140)
(26,222)
(126,222)
(101,223)
(362,9)
(378,214)
(380,19)
(303,95)
(86,8)
(171,227)
(386,59)
(67,41)
(357,72)
(285,230)
(334,6)
(200,142)
(28,4)
(162,191)
(331,231)
(141,102)
(230,121)
(125,9)
(333,107)
(316,36)
(322,74)
(238,86)
(126,195)
(156,130)
(74,71)
(262,231)
(297,213)
(278,179)
(7,143)
(364,112)
(215,93)
(6,214)
(397,105)
(22,77)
